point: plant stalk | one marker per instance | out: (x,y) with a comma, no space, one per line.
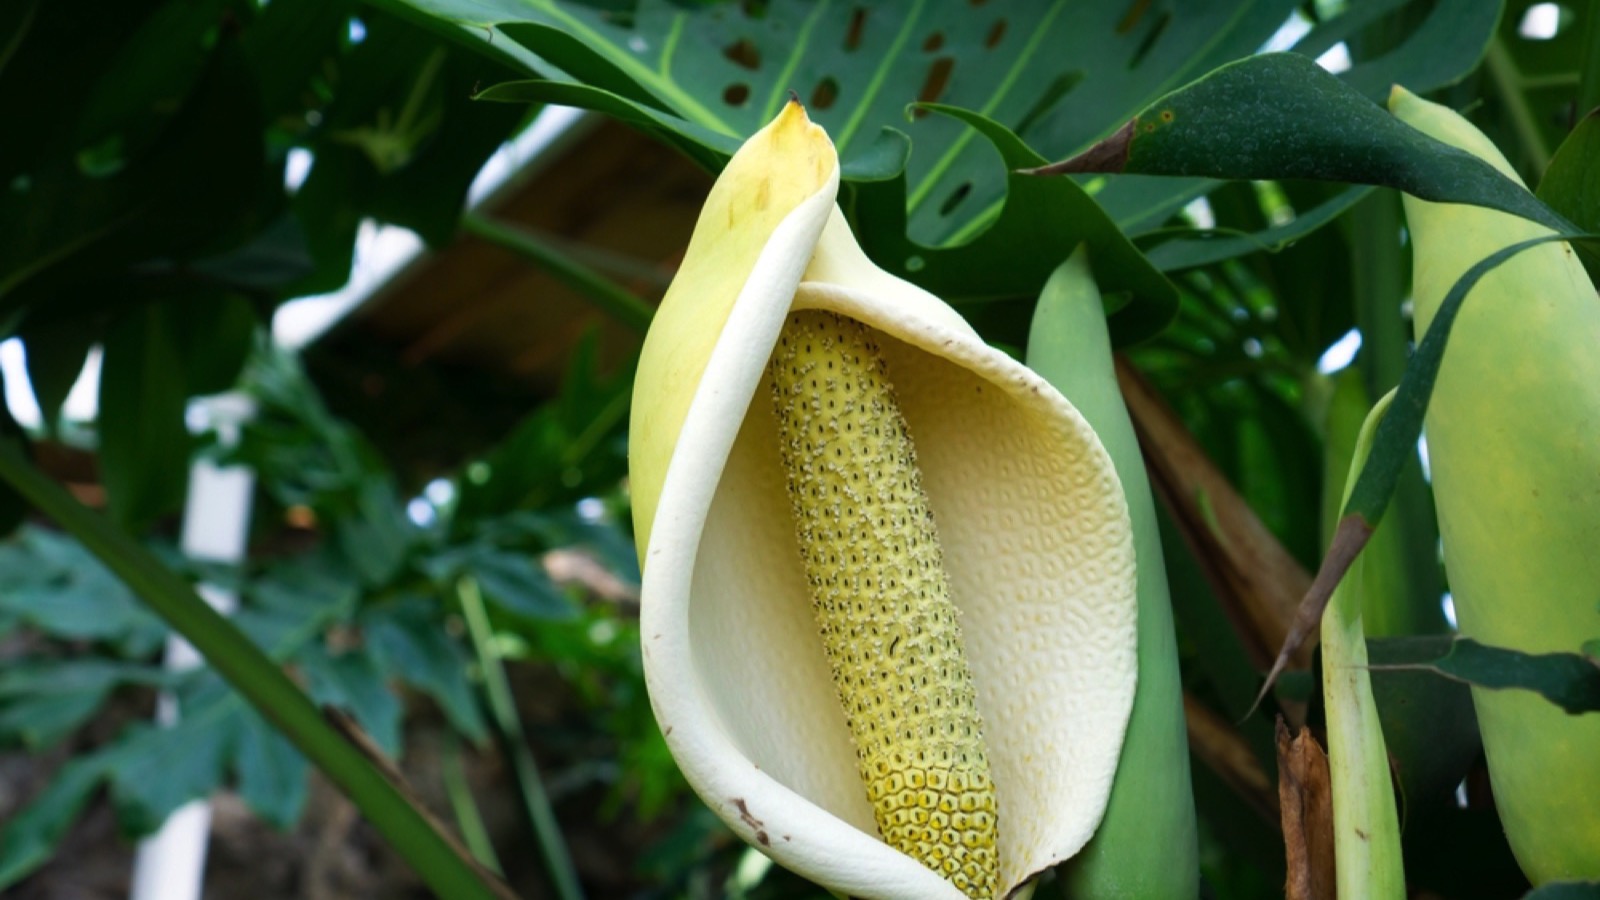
(497,689)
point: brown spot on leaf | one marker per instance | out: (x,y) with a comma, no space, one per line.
(1109,155)
(858,25)
(933,85)
(997,32)
(743,54)
(1131,18)
(826,93)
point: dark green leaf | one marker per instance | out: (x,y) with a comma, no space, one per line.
(274,259)
(40,722)
(146,83)
(195,189)
(1429,725)
(56,352)
(407,642)
(1281,115)
(271,772)
(293,44)
(158,769)
(1056,73)
(43,701)
(401,142)
(50,582)
(1042,222)
(1571,185)
(1447,45)
(376,536)
(708,148)
(212,334)
(1569,680)
(517,584)
(144,443)
(352,682)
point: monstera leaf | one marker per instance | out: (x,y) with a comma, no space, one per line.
(1056,75)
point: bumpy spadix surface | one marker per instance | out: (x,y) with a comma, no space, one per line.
(875,568)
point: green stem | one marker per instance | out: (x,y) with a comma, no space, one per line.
(468,819)
(497,688)
(604,293)
(1366,825)
(442,862)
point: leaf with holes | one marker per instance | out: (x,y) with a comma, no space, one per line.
(1054,74)
(1057,75)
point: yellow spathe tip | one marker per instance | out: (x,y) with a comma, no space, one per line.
(1399,96)
(790,147)
(777,171)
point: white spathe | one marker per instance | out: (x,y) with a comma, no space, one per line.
(1029,510)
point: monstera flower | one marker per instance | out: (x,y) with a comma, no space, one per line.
(888,602)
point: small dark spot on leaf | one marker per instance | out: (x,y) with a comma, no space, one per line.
(736,94)
(1166,115)
(934,42)
(743,54)
(996,34)
(933,86)
(858,25)
(1131,18)
(1058,88)
(1149,40)
(954,200)
(825,94)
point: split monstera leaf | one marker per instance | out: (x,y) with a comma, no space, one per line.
(889,593)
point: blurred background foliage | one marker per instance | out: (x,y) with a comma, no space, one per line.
(439,549)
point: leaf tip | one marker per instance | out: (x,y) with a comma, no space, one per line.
(1349,537)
